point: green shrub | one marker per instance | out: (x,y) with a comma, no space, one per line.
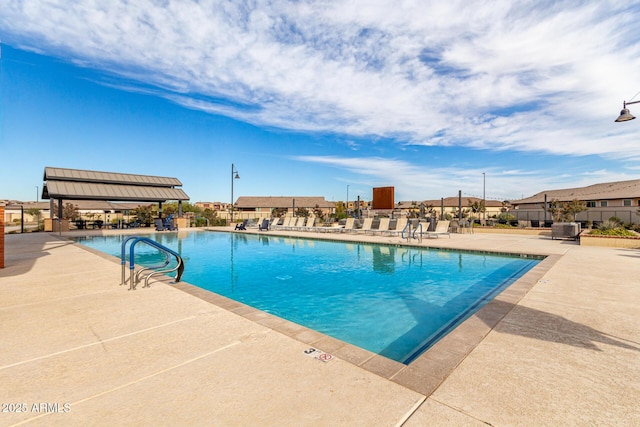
(612,228)
(502,226)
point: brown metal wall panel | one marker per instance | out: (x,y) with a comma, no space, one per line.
(383,198)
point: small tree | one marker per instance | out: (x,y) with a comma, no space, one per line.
(570,210)
(341,211)
(278,212)
(555,208)
(34,212)
(70,211)
(302,212)
(144,214)
(476,207)
(317,212)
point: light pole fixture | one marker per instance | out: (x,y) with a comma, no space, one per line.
(236,176)
(346,208)
(625,115)
(484,197)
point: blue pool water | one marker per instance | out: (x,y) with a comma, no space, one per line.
(394,301)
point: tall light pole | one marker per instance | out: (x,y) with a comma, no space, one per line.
(236,176)
(484,197)
(36,194)
(346,208)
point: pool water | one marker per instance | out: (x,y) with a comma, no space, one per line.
(395,301)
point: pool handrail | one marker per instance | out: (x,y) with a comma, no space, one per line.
(179,268)
(419,233)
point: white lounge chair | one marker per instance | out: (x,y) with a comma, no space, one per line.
(383,227)
(297,224)
(401,223)
(285,224)
(366,226)
(309,224)
(349,226)
(442,228)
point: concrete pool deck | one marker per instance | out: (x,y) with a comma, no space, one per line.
(559,347)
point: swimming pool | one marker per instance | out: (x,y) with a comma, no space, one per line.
(395,301)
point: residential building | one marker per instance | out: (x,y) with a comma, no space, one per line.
(252,207)
(449,206)
(620,199)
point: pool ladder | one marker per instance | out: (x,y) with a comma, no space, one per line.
(152,270)
(416,234)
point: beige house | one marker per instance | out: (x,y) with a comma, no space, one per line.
(449,205)
(259,207)
(619,199)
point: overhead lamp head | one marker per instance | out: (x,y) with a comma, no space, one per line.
(238,176)
(625,115)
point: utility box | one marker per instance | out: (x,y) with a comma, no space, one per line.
(56,225)
(565,230)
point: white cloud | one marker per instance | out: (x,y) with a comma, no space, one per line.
(431,72)
(414,182)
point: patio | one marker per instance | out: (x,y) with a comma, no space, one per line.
(78,349)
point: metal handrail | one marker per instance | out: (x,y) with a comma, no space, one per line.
(419,233)
(407,227)
(157,269)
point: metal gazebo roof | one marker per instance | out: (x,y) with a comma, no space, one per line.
(77,184)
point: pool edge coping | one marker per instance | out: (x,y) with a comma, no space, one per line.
(426,372)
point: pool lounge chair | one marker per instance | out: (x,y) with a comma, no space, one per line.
(297,224)
(383,227)
(401,223)
(442,228)
(285,224)
(309,225)
(349,226)
(366,226)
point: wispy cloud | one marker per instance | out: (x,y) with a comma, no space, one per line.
(411,180)
(499,75)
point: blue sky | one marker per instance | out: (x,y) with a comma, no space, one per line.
(317,98)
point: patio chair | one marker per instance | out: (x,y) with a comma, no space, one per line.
(242,225)
(383,227)
(297,225)
(401,223)
(366,226)
(349,226)
(264,226)
(442,228)
(285,223)
(309,224)
(169,225)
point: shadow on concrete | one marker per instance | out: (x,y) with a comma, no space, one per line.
(23,250)
(540,325)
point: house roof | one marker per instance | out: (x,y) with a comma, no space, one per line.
(282,202)
(605,191)
(451,201)
(76,184)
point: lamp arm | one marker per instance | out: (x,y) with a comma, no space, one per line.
(625,103)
